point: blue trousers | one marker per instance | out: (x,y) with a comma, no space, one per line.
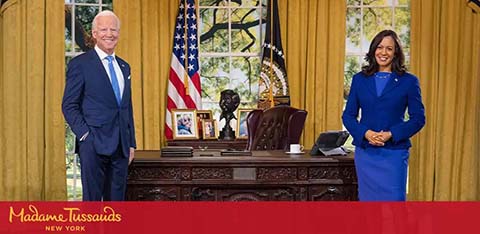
(104,177)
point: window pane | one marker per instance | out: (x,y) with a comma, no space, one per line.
(265,12)
(107,7)
(214,30)
(353,3)
(407,62)
(353,30)
(67,60)
(68,40)
(246,30)
(403,2)
(378,2)
(69,139)
(84,15)
(375,20)
(213,3)
(244,78)
(74,185)
(352,66)
(229,29)
(214,77)
(244,3)
(86,1)
(402,22)
(215,108)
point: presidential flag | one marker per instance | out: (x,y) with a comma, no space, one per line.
(184,89)
(273,83)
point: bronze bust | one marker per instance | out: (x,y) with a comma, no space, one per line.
(229,101)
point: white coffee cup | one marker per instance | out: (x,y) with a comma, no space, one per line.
(296,148)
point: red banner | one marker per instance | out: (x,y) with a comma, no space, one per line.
(240,217)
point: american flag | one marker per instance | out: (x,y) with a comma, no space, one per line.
(184,91)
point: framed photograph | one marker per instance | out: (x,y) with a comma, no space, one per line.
(210,129)
(204,114)
(241,131)
(201,115)
(184,124)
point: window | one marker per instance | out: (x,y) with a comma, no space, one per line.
(79,15)
(365,18)
(231,37)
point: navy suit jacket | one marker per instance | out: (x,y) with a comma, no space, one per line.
(385,112)
(89,104)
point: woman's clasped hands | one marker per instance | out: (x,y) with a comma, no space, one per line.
(377,138)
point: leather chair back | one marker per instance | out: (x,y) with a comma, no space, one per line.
(275,128)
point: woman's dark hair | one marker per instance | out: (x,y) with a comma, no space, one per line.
(398,61)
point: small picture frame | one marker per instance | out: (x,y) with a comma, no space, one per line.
(204,114)
(201,115)
(210,129)
(185,124)
(241,130)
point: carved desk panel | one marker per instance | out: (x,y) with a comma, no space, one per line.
(265,176)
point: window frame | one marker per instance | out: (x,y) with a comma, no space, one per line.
(72,159)
(229,55)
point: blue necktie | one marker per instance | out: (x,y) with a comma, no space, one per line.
(113,76)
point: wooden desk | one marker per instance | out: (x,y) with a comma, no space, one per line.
(265,176)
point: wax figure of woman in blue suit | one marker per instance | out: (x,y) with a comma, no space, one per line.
(383,91)
(98,107)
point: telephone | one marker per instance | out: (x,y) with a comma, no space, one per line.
(330,143)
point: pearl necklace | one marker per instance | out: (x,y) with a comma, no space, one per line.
(383,76)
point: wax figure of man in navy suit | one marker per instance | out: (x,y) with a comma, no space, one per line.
(383,91)
(97,105)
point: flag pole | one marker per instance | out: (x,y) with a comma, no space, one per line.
(197,16)
(185,50)
(270,96)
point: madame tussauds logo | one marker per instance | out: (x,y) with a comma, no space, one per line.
(69,214)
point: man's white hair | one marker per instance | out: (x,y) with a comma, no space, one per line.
(105,13)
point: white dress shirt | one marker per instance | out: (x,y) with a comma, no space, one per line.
(103,56)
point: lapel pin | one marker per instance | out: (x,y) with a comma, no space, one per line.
(128,77)
(123,65)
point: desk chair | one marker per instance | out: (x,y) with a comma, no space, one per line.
(275,128)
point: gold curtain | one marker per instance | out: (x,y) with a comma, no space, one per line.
(146,38)
(31,83)
(313,36)
(445,52)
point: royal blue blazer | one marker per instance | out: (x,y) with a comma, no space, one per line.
(89,105)
(385,112)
